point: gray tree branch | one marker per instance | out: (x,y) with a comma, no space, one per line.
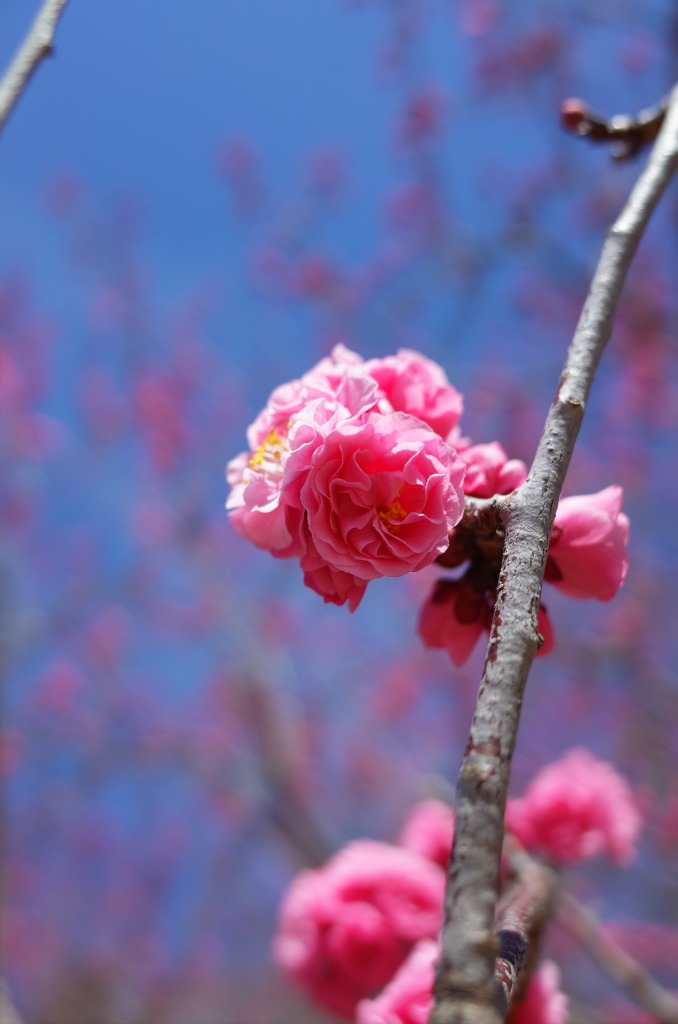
(37,45)
(464,989)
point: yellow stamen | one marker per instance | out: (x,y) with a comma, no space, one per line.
(270,446)
(393,511)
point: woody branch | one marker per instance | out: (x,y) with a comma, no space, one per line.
(465,989)
(37,45)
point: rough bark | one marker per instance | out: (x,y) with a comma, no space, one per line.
(464,989)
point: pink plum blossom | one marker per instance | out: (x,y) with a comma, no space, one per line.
(346,928)
(587,555)
(453,618)
(382,495)
(489,470)
(339,376)
(416,385)
(577,808)
(295,417)
(333,585)
(429,831)
(543,1003)
(408,996)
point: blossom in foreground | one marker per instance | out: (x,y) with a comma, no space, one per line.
(408,998)
(348,470)
(577,808)
(587,554)
(346,928)
(381,495)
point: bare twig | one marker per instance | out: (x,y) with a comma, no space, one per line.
(627,135)
(626,971)
(521,919)
(8,1014)
(464,989)
(37,45)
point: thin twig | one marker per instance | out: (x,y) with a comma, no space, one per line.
(37,45)
(626,971)
(464,989)
(627,135)
(8,1013)
(521,920)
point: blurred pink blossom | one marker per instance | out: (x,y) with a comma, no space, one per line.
(429,831)
(587,553)
(423,116)
(408,996)
(543,1002)
(407,999)
(577,808)
(346,928)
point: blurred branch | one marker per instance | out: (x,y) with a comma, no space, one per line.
(37,45)
(521,919)
(626,971)
(8,1014)
(464,988)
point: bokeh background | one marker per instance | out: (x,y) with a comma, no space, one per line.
(198,201)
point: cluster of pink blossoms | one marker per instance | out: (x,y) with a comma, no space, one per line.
(349,470)
(360,934)
(359,470)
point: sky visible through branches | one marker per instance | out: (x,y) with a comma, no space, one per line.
(197,207)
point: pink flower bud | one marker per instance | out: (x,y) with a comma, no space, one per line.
(587,555)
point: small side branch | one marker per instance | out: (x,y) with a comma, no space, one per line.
(37,45)
(626,971)
(464,989)
(521,920)
(627,135)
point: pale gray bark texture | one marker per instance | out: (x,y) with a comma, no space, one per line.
(37,45)
(465,990)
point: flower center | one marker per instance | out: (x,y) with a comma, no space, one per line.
(393,514)
(269,453)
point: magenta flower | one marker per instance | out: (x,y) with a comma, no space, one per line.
(382,495)
(587,555)
(416,385)
(336,477)
(429,831)
(333,585)
(575,809)
(263,507)
(489,470)
(408,996)
(346,928)
(543,1003)
(453,618)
